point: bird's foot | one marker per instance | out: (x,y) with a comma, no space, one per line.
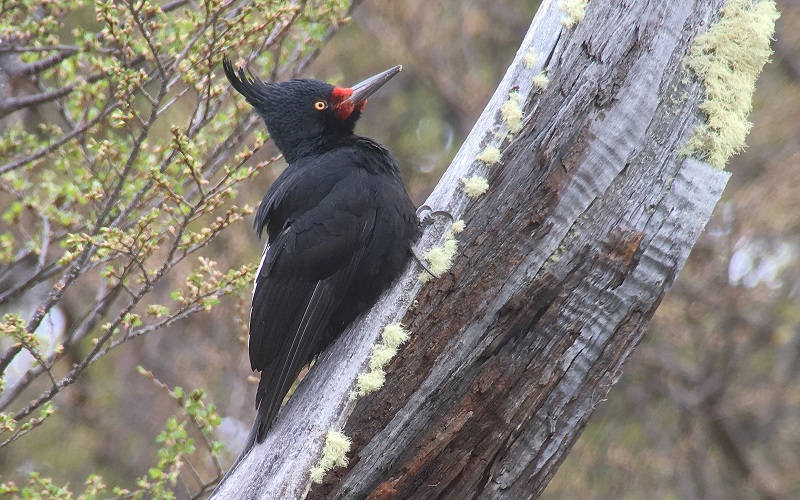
(426,215)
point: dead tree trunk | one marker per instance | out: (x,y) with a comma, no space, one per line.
(587,220)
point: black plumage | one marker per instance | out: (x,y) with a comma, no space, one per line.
(340,227)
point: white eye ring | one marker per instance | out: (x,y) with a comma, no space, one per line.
(320,105)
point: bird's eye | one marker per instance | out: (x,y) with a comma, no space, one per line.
(320,105)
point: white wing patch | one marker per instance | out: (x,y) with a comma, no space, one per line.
(255,282)
(258,271)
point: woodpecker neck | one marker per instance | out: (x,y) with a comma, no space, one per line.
(295,146)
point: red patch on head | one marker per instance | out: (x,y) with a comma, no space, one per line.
(344,110)
(343,107)
(339,94)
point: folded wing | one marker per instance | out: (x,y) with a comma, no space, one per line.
(303,276)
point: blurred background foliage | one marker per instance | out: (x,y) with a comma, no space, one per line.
(708,406)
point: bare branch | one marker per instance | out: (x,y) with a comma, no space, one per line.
(20,162)
(30,69)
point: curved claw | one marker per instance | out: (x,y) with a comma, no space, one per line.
(421,262)
(422,209)
(425,214)
(425,211)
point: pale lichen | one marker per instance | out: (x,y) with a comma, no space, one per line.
(728,58)
(490,155)
(475,186)
(369,382)
(575,11)
(334,454)
(511,110)
(392,337)
(541,81)
(530,58)
(440,258)
(380,356)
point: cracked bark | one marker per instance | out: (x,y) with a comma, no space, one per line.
(563,261)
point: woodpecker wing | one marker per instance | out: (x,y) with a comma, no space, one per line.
(304,274)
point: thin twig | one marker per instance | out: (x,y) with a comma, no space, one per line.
(30,69)
(8,167)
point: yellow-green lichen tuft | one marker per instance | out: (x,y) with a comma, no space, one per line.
(728,58)
(530,58)
(475,186)
(490,155)
(511,110)
(440,258)
(380,356)
(334,454)
(541,81)
(575,11)
(394,335)
(369,382)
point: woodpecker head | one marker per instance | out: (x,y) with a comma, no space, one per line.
(303,114)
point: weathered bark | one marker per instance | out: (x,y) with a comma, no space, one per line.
(563,261)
